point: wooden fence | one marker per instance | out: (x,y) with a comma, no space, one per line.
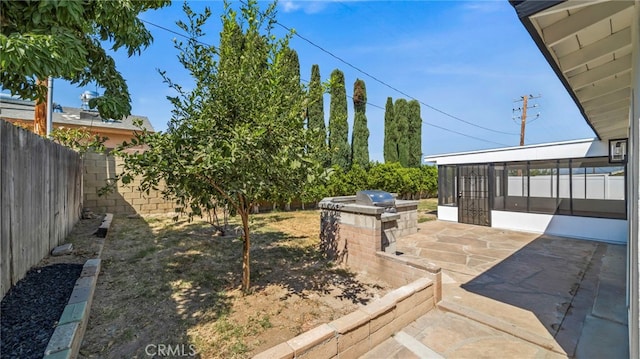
(40,199)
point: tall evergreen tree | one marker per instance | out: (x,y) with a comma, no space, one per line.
(360,134)
(315,115)
(401,118)
(390,136)
(415,134)
(338,126)
(292,89)
(291,68)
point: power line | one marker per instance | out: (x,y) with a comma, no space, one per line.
(463,134)
(388,85)
(295,33)
(175,32)
(368,103)
(429,124)
(351,97)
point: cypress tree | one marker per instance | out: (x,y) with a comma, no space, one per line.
(291,65)
(415,134)
(338,126)
(292,89)
(390,138)
(360,134)
(315,114)
(401,118)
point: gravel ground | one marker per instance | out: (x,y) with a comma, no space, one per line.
(31,309)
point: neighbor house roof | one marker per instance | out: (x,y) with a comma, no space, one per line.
(16,109)
(588,44)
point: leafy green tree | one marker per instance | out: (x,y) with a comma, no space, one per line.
(315,115)
(360,134)
(338,125)
(415,134)
(409,183)
(429,181)
(238,137)
(346,183)
(80,140)
(386,177)
(64,39)
(390,135)
(401,118)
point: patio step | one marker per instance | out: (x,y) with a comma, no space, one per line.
(500,325)
(443,334)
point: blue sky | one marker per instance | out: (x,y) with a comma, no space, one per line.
(468,59)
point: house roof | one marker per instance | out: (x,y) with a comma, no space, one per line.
(545,151)
(588,44)
(17,109)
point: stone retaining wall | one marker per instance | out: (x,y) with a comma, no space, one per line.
(353,335)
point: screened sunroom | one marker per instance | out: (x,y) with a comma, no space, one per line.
(572,188)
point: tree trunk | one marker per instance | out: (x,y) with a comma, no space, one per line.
(246,268)
(40,114)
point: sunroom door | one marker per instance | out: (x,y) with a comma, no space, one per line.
(473,195)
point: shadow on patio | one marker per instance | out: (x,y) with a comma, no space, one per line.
(562,294)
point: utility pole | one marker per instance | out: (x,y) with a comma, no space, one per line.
(523,115)
(523,118)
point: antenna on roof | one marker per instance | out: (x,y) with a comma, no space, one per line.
(86,97)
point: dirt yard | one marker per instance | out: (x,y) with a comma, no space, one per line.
(166,283)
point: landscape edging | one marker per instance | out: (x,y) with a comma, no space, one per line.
(67,337)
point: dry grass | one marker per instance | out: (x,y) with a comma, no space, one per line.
(427,210)
(176,283)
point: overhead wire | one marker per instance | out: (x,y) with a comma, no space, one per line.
(365,73)
(175,32)
(295,33)
(429,124)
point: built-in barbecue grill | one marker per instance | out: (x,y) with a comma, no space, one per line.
(378,199)
(376,220)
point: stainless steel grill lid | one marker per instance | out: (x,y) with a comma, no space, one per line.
(375,198)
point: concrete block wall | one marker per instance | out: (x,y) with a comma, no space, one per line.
(352,235)
(98,168)
(408,222)
(355,334)
(399,270)
(362,249)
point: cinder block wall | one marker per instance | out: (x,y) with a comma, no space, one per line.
(408,222)
(357,333)
(126,199)
(353,237)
